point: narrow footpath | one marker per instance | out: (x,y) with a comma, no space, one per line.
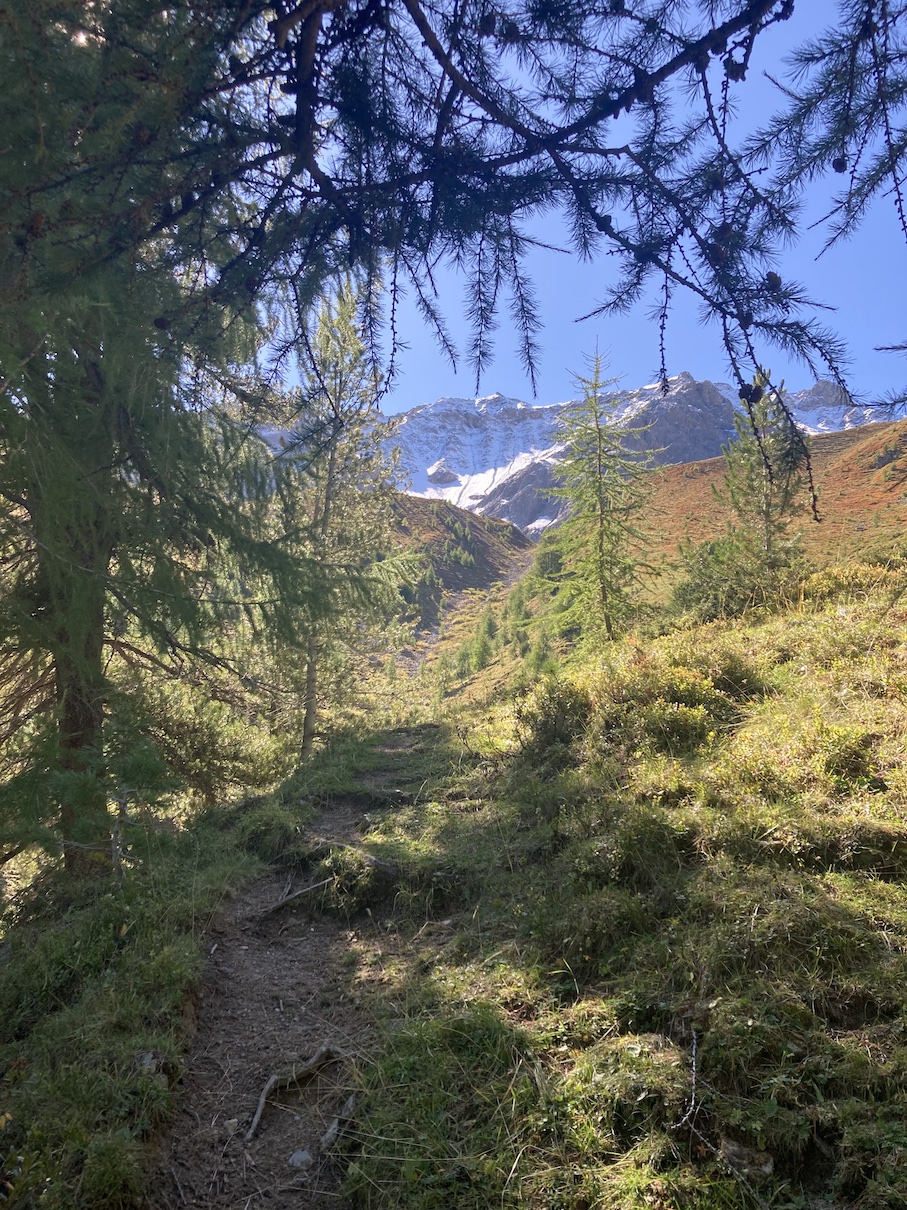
(270,1075)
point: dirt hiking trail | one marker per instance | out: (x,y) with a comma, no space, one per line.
(275,996)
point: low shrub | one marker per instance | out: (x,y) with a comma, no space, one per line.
(854,582)
(268,828)
(553,714)
(654,703)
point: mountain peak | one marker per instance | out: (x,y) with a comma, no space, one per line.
(498,455)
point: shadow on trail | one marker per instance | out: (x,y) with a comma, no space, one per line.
(553,964)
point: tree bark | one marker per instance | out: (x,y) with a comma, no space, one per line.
(80,690)
(310,717)
(75,552)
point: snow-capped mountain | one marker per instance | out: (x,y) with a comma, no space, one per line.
(498,456)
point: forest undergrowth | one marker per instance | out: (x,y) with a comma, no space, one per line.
(672,968)
(645,939)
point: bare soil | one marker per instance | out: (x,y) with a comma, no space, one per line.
(273,995)
(275,991)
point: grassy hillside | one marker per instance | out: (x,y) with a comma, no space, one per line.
(665,963)
(460,551)
(633,935)
(672,967)
(860,476)
(861,481)
(445,534)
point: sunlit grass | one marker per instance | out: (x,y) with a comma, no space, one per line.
(684,855)
(635,935)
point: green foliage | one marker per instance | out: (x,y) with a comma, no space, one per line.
(95,983)
(551,715)
(111,1177)
(439,1112)
(764,469)
(672,701)
(137,514)
(756,563)
(343,510)
(539,658)
(140,282)
(687,854)
(458,554)
(477,653)
(726,576)
(422,594)
(517,606)
(598,542)
(548,561)
(269,828)
(145,545)
(220,565)
(852,582)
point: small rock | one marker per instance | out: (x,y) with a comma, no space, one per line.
(232,1125)
(747,1160)
(301,1159)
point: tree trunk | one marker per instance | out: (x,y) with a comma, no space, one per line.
(76,527)
(321,523)
(310,717)
(80,690)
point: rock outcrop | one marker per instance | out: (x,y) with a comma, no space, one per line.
(498,456)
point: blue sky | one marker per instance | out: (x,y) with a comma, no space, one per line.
(863,280)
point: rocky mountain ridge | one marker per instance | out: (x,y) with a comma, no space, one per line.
(498,456)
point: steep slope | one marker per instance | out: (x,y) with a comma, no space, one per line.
(498,456)
(860,476)
(466,551)
(460,551)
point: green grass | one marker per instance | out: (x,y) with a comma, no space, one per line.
(94,985)
(634,938)
(684,856)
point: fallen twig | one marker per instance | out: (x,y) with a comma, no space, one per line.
(322,1056)
(179,1187)
(308,890)
(332,1133)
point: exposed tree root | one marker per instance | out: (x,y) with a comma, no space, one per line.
(322,1056)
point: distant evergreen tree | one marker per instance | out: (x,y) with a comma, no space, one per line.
(764,483)
(347,487)
(539,658)
(603,482)
(764,471)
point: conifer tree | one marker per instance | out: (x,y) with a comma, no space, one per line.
(140,526)
(765,471)
(171,174)
(347,486)
(134,502)
(603,481)
(757,558)
(278,143)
